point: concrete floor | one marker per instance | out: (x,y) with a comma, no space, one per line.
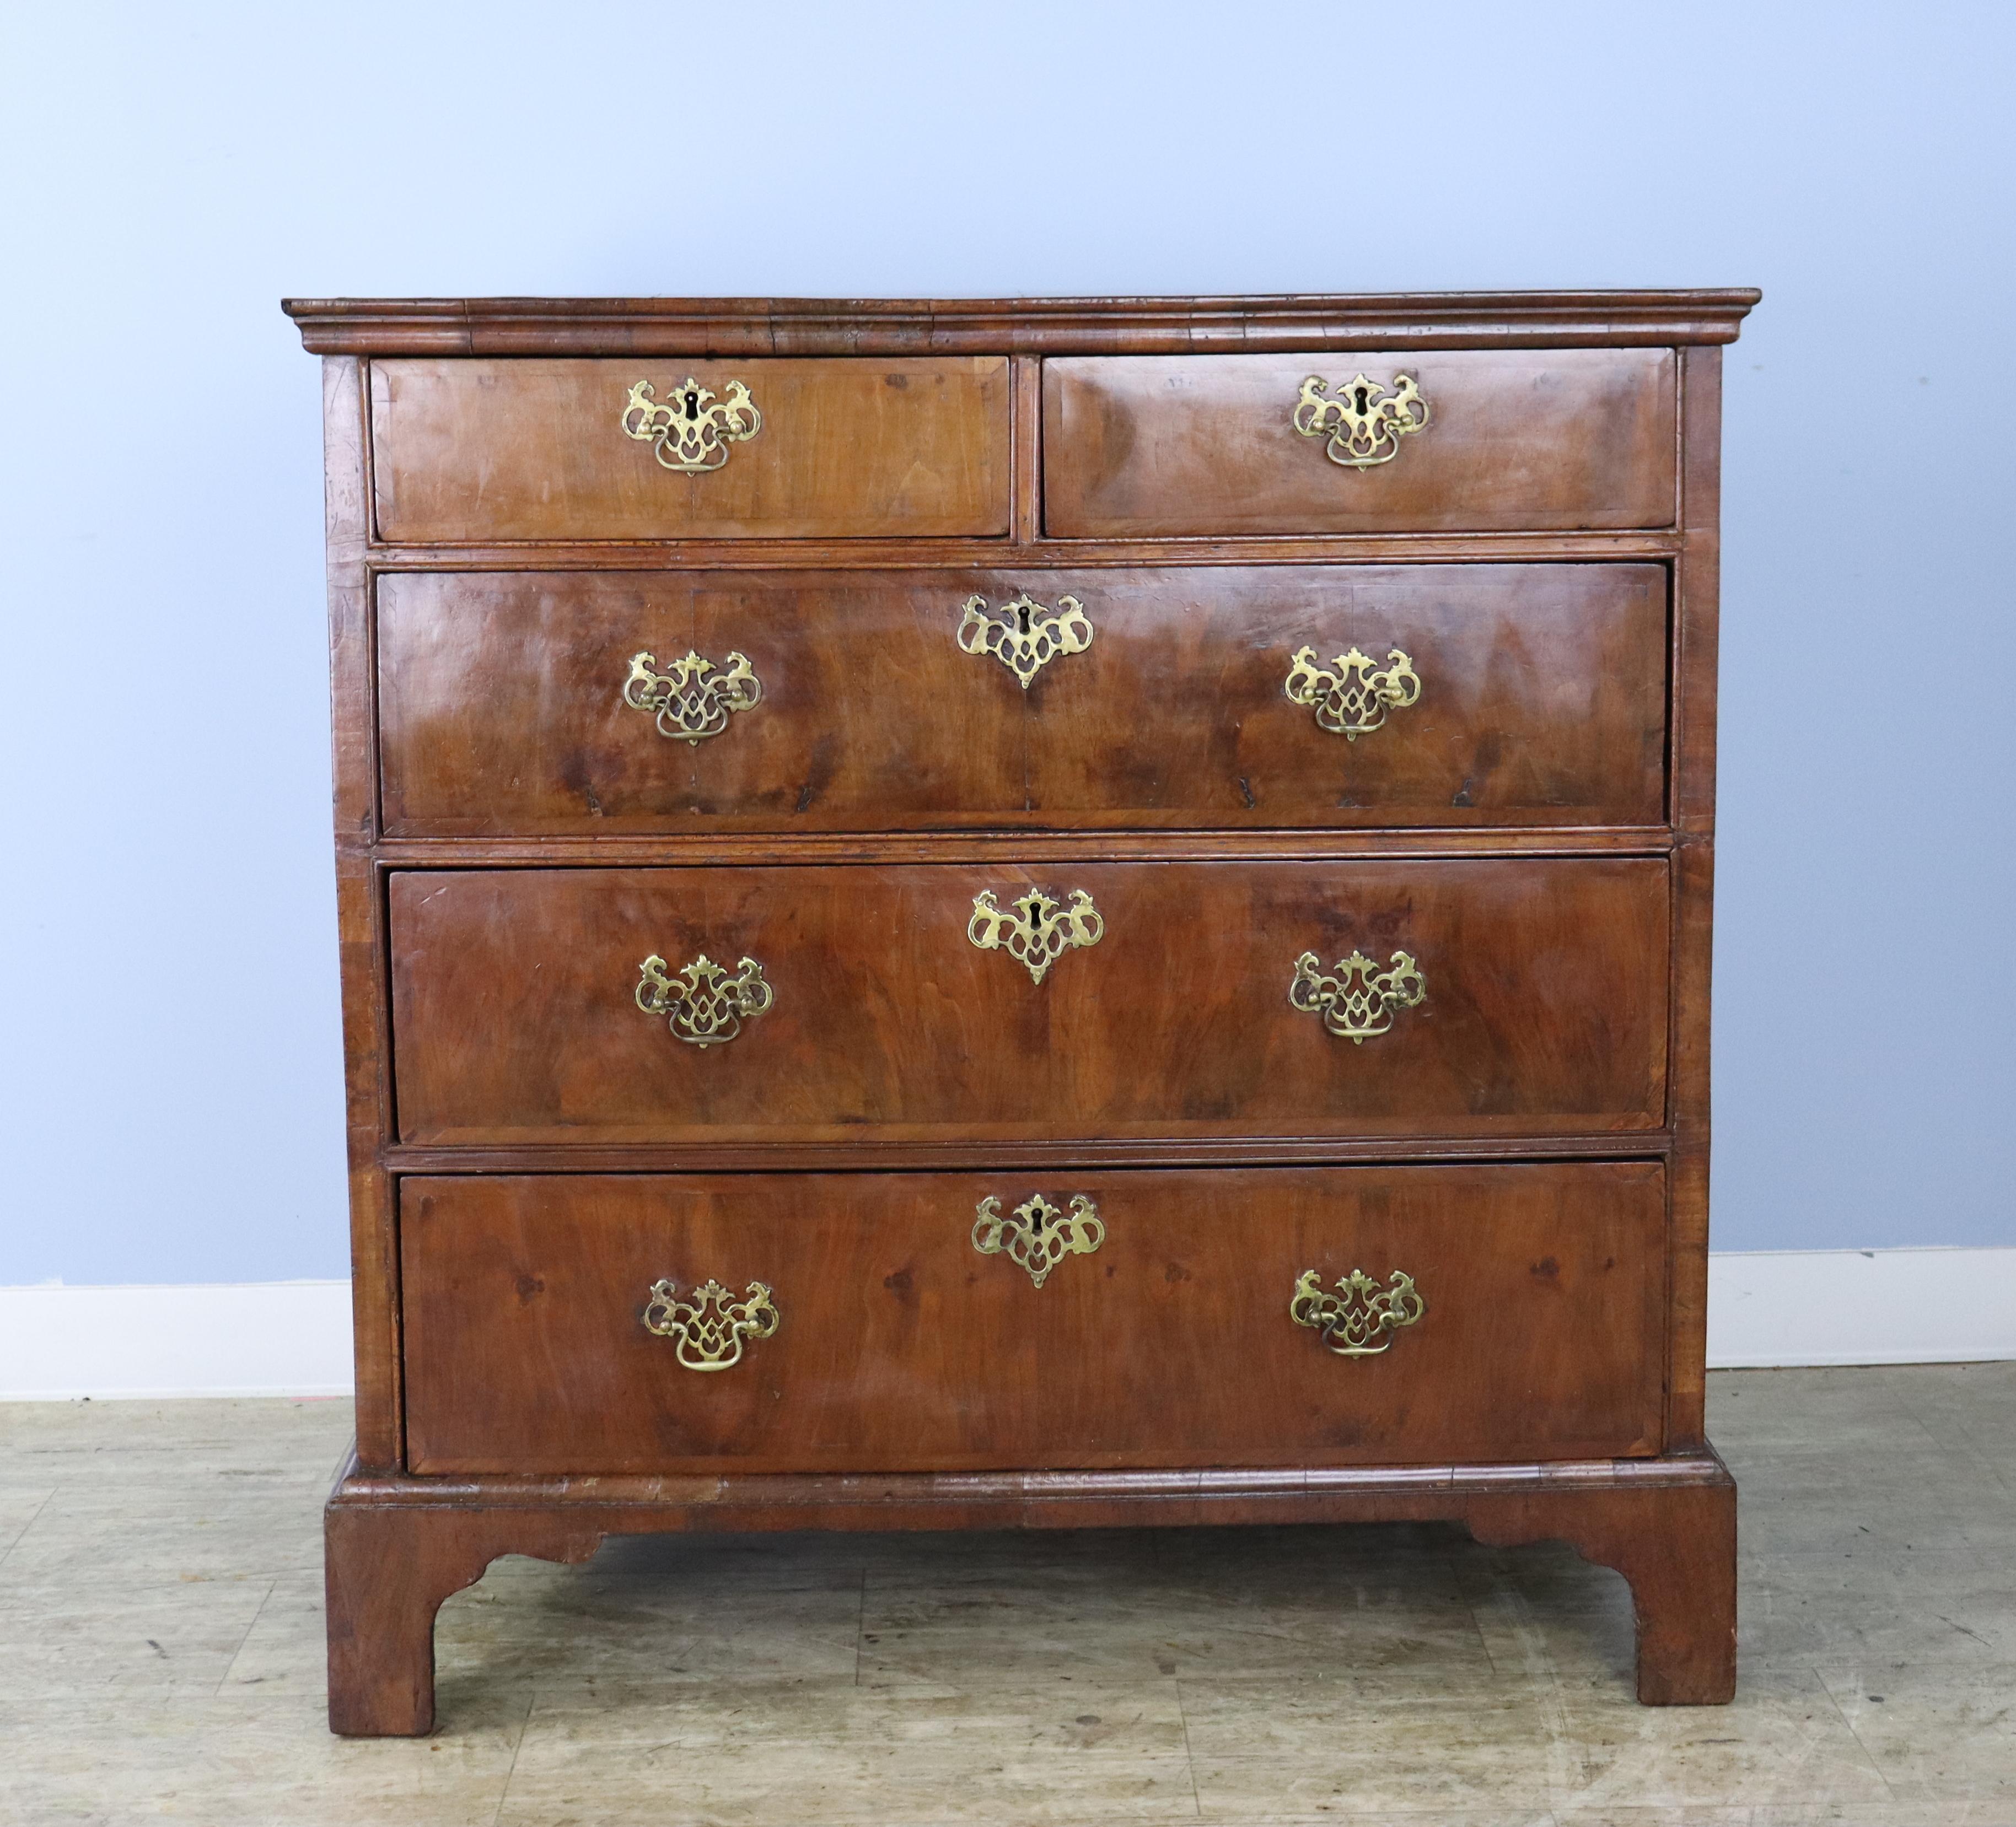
(160,1651)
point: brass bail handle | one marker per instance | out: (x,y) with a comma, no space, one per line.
(1359,1319)
(708,1327)
(1354,999)
(1352,695)
(692,698)
(705,1003)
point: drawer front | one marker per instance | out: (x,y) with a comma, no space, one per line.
(1545,439)
(476,450)
(888,1341)
(1489,997)
(1447,695)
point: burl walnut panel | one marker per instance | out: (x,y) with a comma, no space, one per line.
(1545,1008)
(1542,701)
(535,449)
(1538,440)
(899,1346)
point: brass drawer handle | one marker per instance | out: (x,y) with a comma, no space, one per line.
(690,706)
(1361,1000)
(1351,696)
(705,1005)
(1360,1319)
(690,430)
(710,1326)
(1036,1236)
(1022,634)
(1039,931)
(1364,419)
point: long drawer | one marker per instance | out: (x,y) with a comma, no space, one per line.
(1507,1313)
(1143,1000)
(1374,441)
(1291,696)
(467,449)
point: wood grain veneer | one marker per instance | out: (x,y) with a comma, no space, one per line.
(900,1349)
(1543,700)
(533,450)
(515,1018)
(1143,446)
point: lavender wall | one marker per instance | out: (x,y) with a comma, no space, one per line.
(172,1099)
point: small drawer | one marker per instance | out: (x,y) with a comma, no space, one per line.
(861,1322)
(470,450)
(963,1003)
(532,703)
(1448,440)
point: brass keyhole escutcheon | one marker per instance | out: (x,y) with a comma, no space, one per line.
(1024,634)
(1035,929)
(691,430)
(1036,1236)
(1364,421)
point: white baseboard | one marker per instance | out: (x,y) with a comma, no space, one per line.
(1771,1308)
(231,1338)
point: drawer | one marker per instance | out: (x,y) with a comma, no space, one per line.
(888,1341)
(1495,996)
(475,450)
(1479,695)
(1541,440)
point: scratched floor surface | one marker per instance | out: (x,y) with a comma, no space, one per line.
(160,1651)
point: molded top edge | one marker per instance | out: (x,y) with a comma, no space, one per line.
(1060,326)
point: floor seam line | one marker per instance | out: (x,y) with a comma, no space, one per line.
(511,1769)
(1841,1713)
(1189,1756)
(258,1612)
(861,1625)
(20,1533)
(1461,1587)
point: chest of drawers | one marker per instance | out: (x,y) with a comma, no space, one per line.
(1067,913)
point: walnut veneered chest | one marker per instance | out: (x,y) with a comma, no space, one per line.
(1054,913)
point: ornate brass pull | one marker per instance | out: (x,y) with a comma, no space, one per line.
(1039,931)
(706,1005)
(1024,635)
(1364,420)
(1361,1317)
(691,707)
(1351,696)
(1361,1000)
(1036,1236)
(710,1326)
(690,430)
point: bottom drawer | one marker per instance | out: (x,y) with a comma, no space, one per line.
(1165,1330)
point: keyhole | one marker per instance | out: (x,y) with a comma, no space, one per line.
(693,406)
(1022,617)
(1364,397)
